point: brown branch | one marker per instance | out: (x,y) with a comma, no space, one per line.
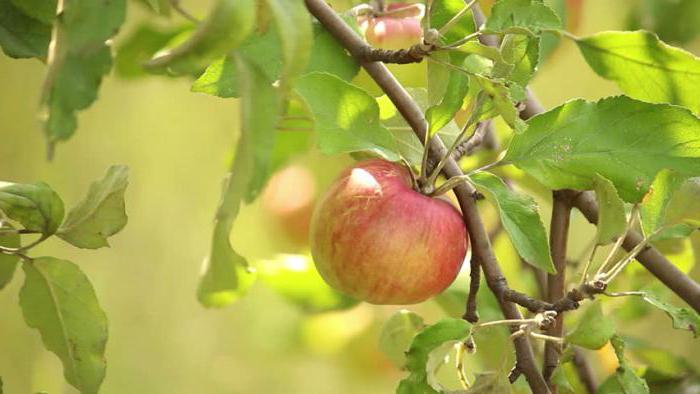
(471,315)
(414,54)
(584,371)
(483,133)
(558,237)
(658,265)
(414,117)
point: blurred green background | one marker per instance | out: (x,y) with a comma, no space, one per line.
(178,145)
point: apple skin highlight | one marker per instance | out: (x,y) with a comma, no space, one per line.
(376,239)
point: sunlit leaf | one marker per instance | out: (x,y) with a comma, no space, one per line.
(521,220)
(346,117)
(451,98)
(653,207)
(397,335)
(429,339)
(644,67)
(34,205)
(624,140)
(594,329)
(500,96)
(612,219)
(58,300)
(101,214)
(22,36)
(78,60)
(442,11)
(683,318)
(225,28)
(523,16)
(8,263)
(295,278)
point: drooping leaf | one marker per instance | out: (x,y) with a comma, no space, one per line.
(397,335)
(644,67)
(683,318)
(226,27)
(58,300)
(139,46)
(8,263)
(594,329)
(264,50)
(521,220)
(22,36)
(78,60)
(625,380)
(34,205)
(101,214)
(429,339)
(521,16)
(227,276)
(612,219)
(653,207)
(622,139)
(294,26)
(295,278)
(346,117)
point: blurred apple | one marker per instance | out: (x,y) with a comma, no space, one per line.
(289,199)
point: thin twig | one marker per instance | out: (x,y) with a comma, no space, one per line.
(584,371)
(447,26)
(471,315)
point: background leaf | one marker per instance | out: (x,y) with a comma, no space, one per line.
(58,300)
(8,263)
(22,36)
(101,214)
(644,67)
(653,207)
(521,220)
(294,25)
(397,335)
(35,205)
(621,139)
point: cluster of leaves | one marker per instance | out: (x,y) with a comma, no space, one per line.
(57,298)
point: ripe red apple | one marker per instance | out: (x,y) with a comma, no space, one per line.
(376,239)
(398,30)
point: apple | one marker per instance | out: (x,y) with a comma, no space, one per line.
(399,29)
(375,238)
(289,199)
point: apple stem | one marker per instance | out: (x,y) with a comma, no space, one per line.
(620,239)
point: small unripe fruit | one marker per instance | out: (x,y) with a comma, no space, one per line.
(376,239)
(289,199)
(398,30)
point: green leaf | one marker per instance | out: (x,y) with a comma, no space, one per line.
(452,97)
(77,63)
(397,335)
(624,140)
(295,278)
(679,230)
(346,117)
(521,220)
(521,16)
(58,300)
(645,67)
(41,10)
(490,383)
(429,339)
(294,27)
(683,318)
(409,146)
(624,380)
(101,214)
(327,55)
(226,27)
(653,207)
(139,46)
(227,276)
(673,21)
(502,101)
(594,330)
(612,219)
(8,263)
(161,7)
(22,36)
(561,381)
(520,58)
(35,205)
(442,11)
